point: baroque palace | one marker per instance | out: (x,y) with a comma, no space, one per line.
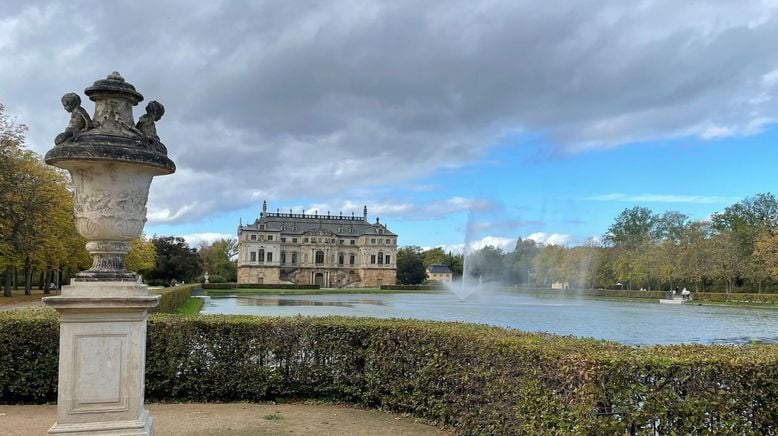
(330,251)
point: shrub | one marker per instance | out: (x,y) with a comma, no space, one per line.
(172,297)
(480,379)
(212,278)
(257,286)
(735,297)
(432,286)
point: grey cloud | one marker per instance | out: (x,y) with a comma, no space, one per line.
(282,98)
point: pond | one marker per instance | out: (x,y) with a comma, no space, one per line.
(626,321)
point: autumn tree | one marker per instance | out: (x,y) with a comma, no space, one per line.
(218,259)
(142,256)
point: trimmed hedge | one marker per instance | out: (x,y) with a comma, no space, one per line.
(172,297)
(482,380)
(654,295)
(433,287)
(256,286)
(735,297)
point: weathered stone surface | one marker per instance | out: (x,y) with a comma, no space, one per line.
(111,134)
(103,312)
(102,361)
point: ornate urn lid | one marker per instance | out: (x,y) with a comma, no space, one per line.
(111,134)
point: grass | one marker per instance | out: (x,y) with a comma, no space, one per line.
(261,291)
(19,297)
(191,307)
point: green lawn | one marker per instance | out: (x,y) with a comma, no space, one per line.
(191,307)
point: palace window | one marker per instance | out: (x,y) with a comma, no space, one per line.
(380,258)
(372,240)
(353,242)
(261,227)
(294,258)
(341,259)
(283,239)
(253,256)
(269,256)
(387,259)
(388,241)
(351,259)
(372,259)
(294,227)
(305,240)
(319,257)
(283,257)
(253,237)
(269,237)
(294,240)
(342,242)
(283,227)
(351,230)
(261,255)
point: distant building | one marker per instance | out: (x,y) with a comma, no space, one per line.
(439,272)
(328,250)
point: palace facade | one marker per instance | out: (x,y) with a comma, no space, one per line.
(331,251)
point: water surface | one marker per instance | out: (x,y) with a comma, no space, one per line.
(625,321)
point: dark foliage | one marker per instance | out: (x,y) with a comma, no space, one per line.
(175,261)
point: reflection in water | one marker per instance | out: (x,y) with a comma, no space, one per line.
(629,322)
(285,301)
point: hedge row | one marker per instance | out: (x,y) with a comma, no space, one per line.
(654,295)
(173,297)
(735,297)
(482,380)
(432,287)
(257,286)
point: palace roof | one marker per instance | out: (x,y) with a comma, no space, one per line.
(299,224)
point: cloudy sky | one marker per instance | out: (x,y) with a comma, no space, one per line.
(495,119)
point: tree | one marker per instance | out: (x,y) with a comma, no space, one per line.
(410,266)
(631,228)
(433,255)
(486,264)
(175,261)
(217,259)
(142,256)
(670,226)
(522,259)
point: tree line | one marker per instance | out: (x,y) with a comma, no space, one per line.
(736,250)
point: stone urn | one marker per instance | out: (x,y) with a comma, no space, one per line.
(111,161)
(103,312)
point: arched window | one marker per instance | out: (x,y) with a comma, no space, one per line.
(283,257)
(261,255)
(319,257)
(380,258)
(294,257)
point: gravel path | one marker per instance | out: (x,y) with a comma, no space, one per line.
(240,419)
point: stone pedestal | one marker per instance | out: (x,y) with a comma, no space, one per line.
(102,358)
